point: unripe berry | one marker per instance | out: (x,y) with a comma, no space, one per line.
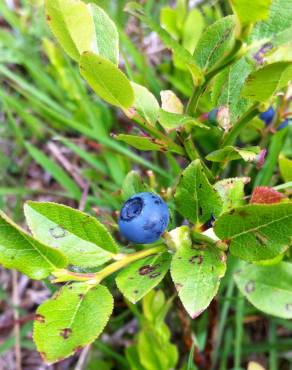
(143,218)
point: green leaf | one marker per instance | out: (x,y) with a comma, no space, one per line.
(141,276)
(142,142)
(192,29)
(256,232)
(168,20)
(72,25)
(74,317)
(262,84)
(227,88)
(214,43)
(231,153)
(132,185)
(20,251)
(268,288)
(54,170)
(107,37)
(258,10)
(145,103)
(285,166)
(195,198)
(231,192)
(279,20)
(83,239)
(108,82)
(171,121)
(196,273)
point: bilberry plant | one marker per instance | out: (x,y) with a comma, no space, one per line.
(221,67)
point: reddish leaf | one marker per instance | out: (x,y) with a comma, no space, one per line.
(265,195)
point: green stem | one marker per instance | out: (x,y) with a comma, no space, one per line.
(64,275)
(235,54)
(153,131)
(193,102)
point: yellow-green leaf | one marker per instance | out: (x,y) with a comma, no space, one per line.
(20,251)
(72,25)
(106,34)
(83,239)
(251,11)
(107,80)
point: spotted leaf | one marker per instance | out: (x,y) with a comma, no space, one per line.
(140,277)
(83,239)
(257,232)
(71,319)
(196,272)
(268,288)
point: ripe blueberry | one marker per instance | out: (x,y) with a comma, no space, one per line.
(143,218)
(212,115)
(283,124)
(267,116)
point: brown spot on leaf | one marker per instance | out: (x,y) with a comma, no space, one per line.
(65,333)
(154,275)
(40,318)
(57,232)
(261,238)
(145,270)
(243,213)
(136,291)
(81,295)
(196,259)
(200,211)
(48,17)
(249,287)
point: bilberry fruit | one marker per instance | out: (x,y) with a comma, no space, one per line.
(143,218)
(212,115)
(267,116)
(283,124)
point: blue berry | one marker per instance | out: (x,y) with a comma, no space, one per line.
(212,115)
(267,116)
(283,124)
(143,218)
